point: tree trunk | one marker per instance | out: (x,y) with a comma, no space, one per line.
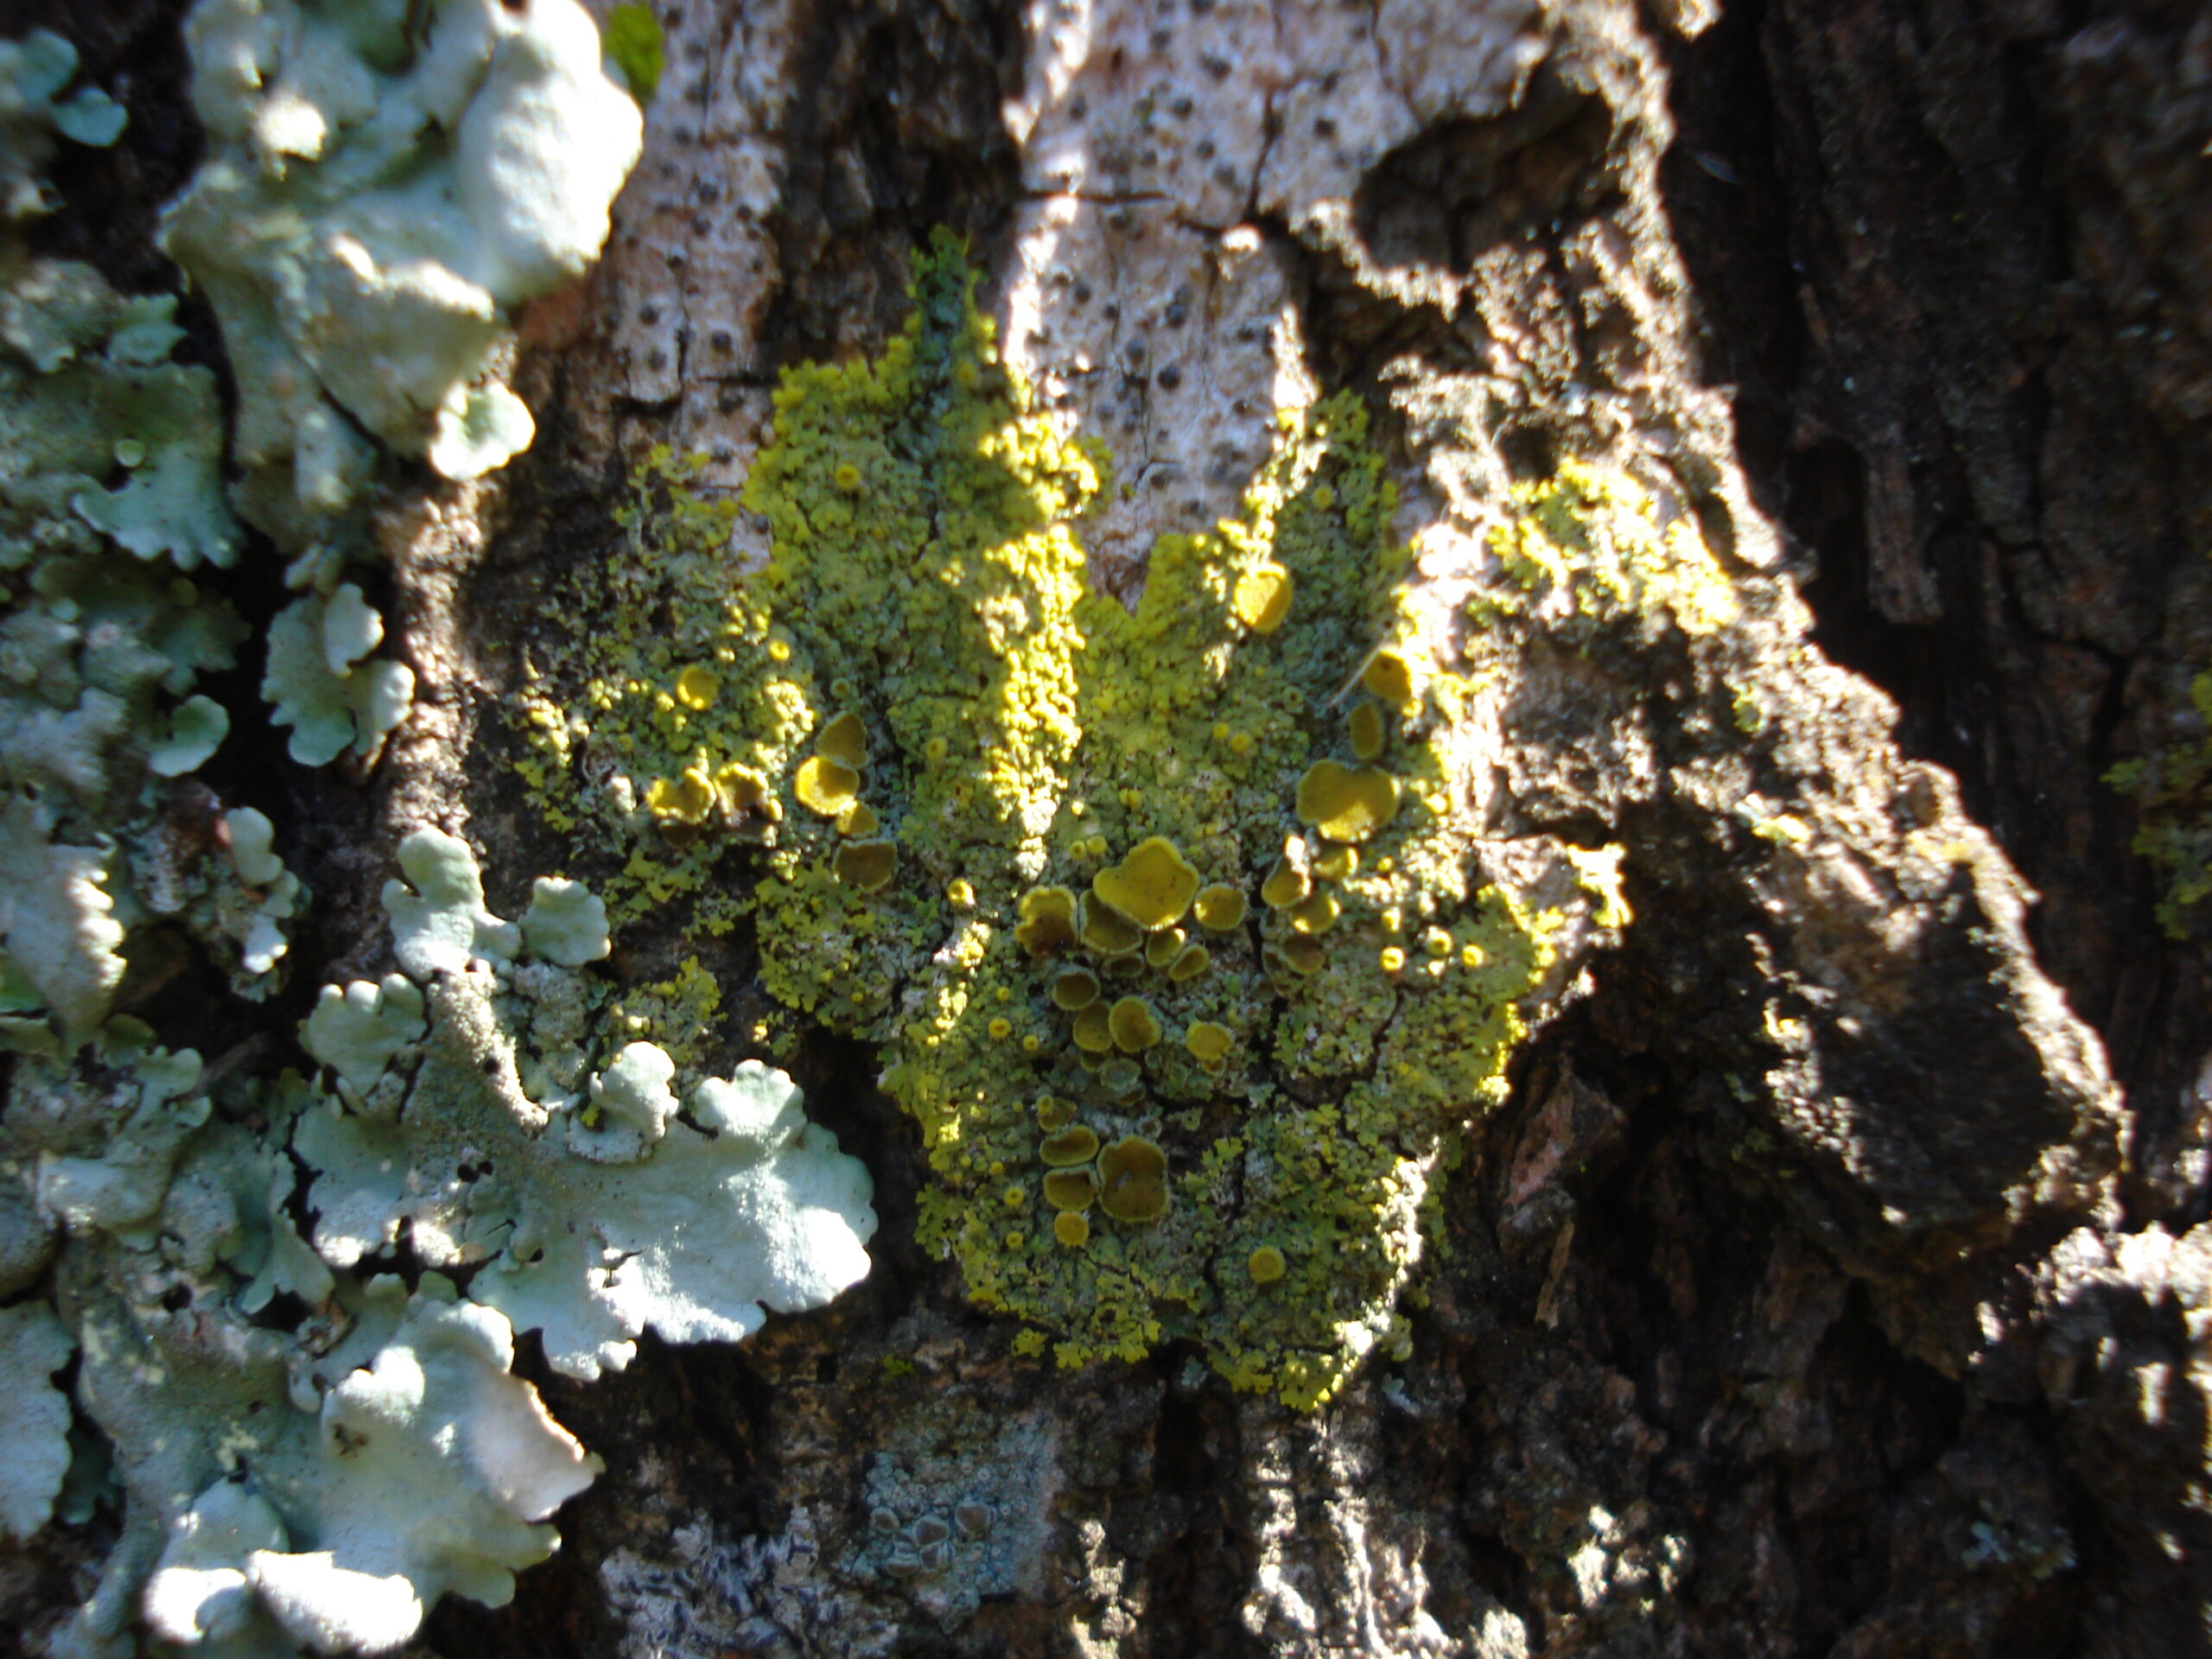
(1836,1278)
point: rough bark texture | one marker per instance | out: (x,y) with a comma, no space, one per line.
(1828,1286)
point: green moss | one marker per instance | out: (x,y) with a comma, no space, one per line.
(1030,742)
(634,44)
(2173,790)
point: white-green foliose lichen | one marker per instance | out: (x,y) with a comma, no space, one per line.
(112,501)
(1168,923)
(384,185)
(309,1456)
(485,1113)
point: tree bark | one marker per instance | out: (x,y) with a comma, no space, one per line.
(1837,1279)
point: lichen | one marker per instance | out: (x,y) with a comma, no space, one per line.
(480,1114)
(285,1498)
(382,187)
(309,1455)
(382,190)
(1588,547)
(34,72)
(1063,781)
(35,1433)
(321,682)
(112,498)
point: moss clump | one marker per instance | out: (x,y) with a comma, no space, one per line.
(2173,789)
(1088,782)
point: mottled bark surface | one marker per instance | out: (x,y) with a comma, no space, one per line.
(1828,1285)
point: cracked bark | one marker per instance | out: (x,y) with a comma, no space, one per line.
(1828,1286)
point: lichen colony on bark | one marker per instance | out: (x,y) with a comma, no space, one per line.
(1258,642)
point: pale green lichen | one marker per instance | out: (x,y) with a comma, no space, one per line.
(34,72)
(288,1512)
(1060,779)
(384,185)
(111,492)
(321,682)
(485,1117)
(35,1430)
(311,1458)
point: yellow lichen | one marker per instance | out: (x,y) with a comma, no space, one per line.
(1020,727)
(1219,907)
(1071,1230)
(1291,879)
(1595,545)
(696,687)
(1133,1180)
(687,799)
(1369,736)
(1152,887)
(1071,1189)
(1261,600)
(1054,1113)
(859,821)
(1194,960)
(1337,862)
(1074,988)
(1092,1030)
(1265,1265)
(1347,803)
(1108,932)
(1209,1043)
(1390,674)
(825,786)
(867,866)
(844,740)
(1045,921)
(1163,947)
(1135,1027)
(1071,1147)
